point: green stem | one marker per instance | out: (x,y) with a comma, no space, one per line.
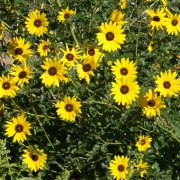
(162,124)
(130,17)
(32,114)
(170,132)
(106,142)
(103,103)
(145,129)
(23,144)
(41,125)
(18,174)
(100,102)
(9,168)
(59,3)
(20,14)
(74,36)
(6,24)
(74,83)
(137,40)
(18,107)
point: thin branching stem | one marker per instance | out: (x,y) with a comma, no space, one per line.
(41,125)
(106,142)
(162,124)
(74,36)
(9,168)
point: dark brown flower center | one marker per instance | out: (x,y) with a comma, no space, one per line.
(121,168)
(124,89)
(167,84)
(109,36)
(18,128)
(124,71)
(18,51)
(86,67)
(52,71)
(66,15)
(69,57)
(6,85)
(34,157)
(69,107)
(37,23)
(91,52)
(45,47)
(151,103)
(174,22)
(156,18)
(22,74)
(142,142)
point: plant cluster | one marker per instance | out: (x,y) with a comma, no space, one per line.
(89,89)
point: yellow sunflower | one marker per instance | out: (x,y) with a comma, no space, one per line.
(125,91)
(94,53)
(142,167)
(34,160)
(156,19)
(124,69)
(70,56)
(110,36)
(167,84)
(7,86)
(119,167)
(21,74)
(85,70)
(68,109)
(2,28)
(117,17)
(19,49)
(43,47)
(122,4)
(54,72)
(143,143)
(172,24)
(18,128)
(151,104)
(36,23)
(65,14)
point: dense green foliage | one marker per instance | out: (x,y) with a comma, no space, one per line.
(83,150)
